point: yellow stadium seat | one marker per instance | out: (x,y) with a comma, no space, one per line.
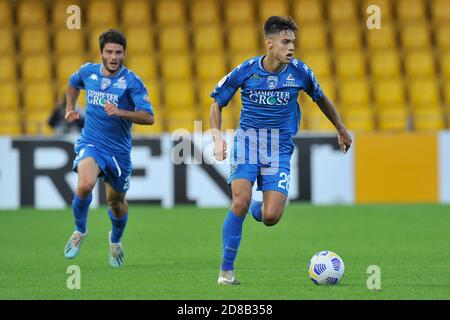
(10,124)
(430,118)
(384,63)
(269,8)
(236,58)
(389,93)
(393,119)
(328,87)
(170,12)
(35,40)
(176,66)
(143,130)
(144,65)
(39,96)
(205,88)
(9,96)
(154,92)
(444,62)
(7,45)
(229,119)
(419,63)
(36,68)
(69,42)
(318,60)
(59,12)
(101,13)
(139,40)
(67,65)
(415,35)
(385,7)
(354,93)
(182,119)
(243,37)
(350,64)
(205,12)
(179,95)
(5,13)
(359,119)
(136,13)
(307,11)
(8,68)
(341,11)
(173,38)
(384,38)
(208,38)
(210,66)
(36,123)
(312,117)
(312,36)
(32,13)
(346,36)
(423,92)
(410,10)
(440,10)
(442,38)
(447,93)
(239,12)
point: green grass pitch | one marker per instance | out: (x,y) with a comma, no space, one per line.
(176,253)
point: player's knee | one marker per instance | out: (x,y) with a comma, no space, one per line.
(272,217)
(240,205)
(118,207)
(86,185)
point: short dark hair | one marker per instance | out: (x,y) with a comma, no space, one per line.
(276,24)
(112,36)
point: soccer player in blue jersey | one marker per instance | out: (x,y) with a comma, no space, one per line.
(115,98)
(262,147)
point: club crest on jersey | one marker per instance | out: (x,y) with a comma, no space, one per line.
(272,82)
(106,82)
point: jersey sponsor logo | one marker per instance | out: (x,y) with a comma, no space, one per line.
(97,98)
(93,77)
(290,81)
(272,82)
(271,98)
(105,83)
(120,84)
(256,76)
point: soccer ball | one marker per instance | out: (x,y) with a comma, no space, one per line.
(326,267)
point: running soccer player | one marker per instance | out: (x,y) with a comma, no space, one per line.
(262,147)
(115,98)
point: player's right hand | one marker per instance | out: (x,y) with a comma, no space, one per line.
(71,116)
(220,149)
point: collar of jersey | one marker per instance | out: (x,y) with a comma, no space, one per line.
(101,66)
(275,73)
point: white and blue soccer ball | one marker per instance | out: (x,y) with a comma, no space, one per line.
(326,267)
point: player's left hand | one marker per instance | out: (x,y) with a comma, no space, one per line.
(111,109)
(344,140)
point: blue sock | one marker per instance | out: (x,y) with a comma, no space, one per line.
(256,210)
(80,212)
(231,237)
(118,226)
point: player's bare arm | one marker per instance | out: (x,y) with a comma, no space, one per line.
(71,99)
(327,107)
(215,121)
(139,117)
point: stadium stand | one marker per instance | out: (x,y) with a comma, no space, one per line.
(395,78)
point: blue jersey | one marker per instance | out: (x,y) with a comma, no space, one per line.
(125,90)
(269,100)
